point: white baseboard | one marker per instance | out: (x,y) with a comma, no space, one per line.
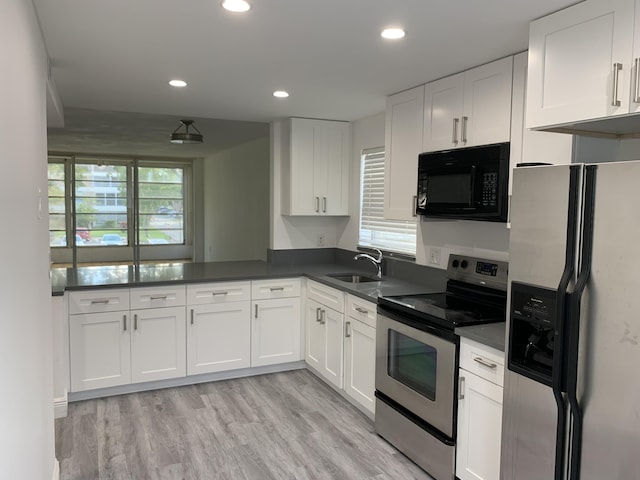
(60,406)
(56,470)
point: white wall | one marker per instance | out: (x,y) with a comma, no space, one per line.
(236,203)
(295,232)
(26,402)
(366,133)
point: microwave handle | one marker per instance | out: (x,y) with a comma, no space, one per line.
(474,170)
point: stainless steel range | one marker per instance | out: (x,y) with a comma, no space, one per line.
(417,359)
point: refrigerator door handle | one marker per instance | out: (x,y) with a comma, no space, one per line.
(562,297)
(574,324)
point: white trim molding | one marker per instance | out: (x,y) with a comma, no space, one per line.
(56,470)
(60,405)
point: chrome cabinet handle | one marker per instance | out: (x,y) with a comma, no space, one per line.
(135,322)
(616,74)
(322,320)
(256,311)
(317,204)
(347,333)
(454,137)
(192,316)
(158,297)
(362,310)
(124,321)
(324,204)
(318,316)
(464,129)
(414,206)
(461,389)
(101,301)
(219,293)
(276,289)
(636,96)
(482,361)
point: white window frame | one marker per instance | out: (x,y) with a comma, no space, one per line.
(392,236)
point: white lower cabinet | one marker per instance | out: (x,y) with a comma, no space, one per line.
(218,337)
(219,327)
(360,352)
(100,350)
(158,345)
(276,322)
(275,331)
(325,331)
(479,412)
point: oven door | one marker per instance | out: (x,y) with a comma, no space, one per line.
(417,370)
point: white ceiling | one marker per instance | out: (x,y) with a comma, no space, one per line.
(118,55)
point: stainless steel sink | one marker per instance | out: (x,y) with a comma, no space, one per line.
(354,278)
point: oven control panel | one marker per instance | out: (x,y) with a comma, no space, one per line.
(480,271)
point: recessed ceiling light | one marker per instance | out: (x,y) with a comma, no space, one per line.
(392,33)
(280,94)
(236,5)
(178,83)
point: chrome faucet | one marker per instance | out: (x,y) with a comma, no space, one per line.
(376,261)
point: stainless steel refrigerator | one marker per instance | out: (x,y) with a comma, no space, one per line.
(572,386)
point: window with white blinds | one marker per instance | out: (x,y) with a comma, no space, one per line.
(376,231)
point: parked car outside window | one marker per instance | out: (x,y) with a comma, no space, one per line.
(111,239)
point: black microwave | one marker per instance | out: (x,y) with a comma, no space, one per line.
(466,183)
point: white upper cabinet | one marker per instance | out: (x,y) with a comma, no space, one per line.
(403,143)
(470,108)
(316,167)
(581,63)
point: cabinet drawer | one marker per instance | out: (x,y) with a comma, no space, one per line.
(154,297)
(98,301)
(327,296)
(362,310)
(484,361)
(221,292)
(275,288)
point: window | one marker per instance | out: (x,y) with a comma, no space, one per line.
(376,231)
(110,194)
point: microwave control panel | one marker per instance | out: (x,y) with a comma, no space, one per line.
(489,189)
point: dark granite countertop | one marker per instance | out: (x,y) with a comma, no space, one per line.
(491,334)
(119,276)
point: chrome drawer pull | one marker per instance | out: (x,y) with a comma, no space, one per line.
(218,293)
(482,361)
(362,310)
(159,297)
(102,301)
(277,289)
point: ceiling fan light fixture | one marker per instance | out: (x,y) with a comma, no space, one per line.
(182,134)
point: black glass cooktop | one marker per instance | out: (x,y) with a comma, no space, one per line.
(444,309)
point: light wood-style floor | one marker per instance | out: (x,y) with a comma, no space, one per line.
(279,426)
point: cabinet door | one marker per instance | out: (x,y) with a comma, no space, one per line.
(479,429)
(303,200)
(403,143)
(486,117)
(315,335)
(360,363)
(443,104)
(571,57)
(158,344)
(100,350)
(333,323)
(335,163)
(218,337)
(275,331)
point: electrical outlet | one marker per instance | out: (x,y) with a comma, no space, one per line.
(321,239)
(434,255)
